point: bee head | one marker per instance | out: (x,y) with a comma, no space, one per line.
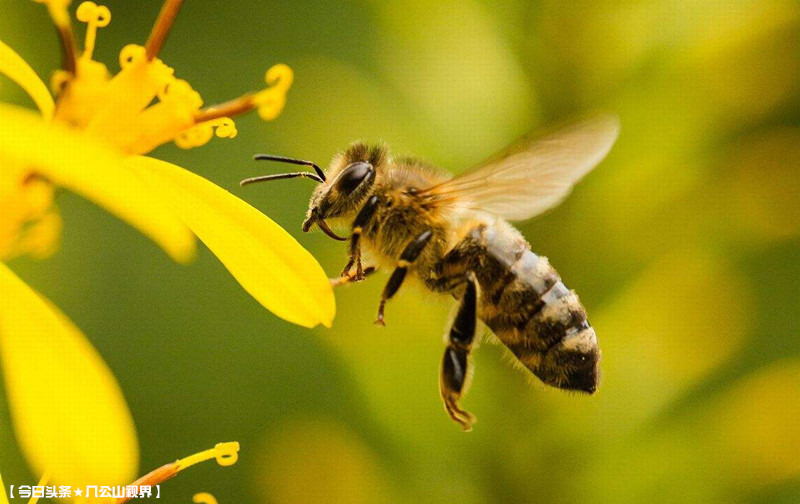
(349,180)
(346,184)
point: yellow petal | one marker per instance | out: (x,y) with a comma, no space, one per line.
(266,260)
(94,171)
(43,481)
(68,412)
(3,494)
(18,70)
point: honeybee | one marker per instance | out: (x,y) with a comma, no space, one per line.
(453,234)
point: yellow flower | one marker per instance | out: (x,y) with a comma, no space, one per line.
(226,454)
(68,412)
(92,140)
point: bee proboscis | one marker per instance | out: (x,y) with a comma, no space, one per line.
(453,234)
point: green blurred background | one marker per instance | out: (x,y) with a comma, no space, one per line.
(682,245)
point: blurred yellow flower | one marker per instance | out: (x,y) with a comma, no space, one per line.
(91,139)
(68,411)
(311,461)
(756,426)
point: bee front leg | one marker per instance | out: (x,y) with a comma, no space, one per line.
(362,219)
(407,257)
(456,366)
(348,277)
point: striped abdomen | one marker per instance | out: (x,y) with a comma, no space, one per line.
(525,304)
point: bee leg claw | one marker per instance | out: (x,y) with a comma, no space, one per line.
(365,273)
(379,321)
(370,270)
(455,372)
(348,278)
(348,266)
(464,418)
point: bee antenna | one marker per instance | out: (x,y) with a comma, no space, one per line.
(282,159)
(278,176)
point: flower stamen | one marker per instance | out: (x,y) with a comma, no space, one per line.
(269,102)
(60,15)
(95,16)
(162,27)
(226,454)
(235,107)
(67,48)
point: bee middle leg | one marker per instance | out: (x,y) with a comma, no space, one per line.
(456,365)
(407,257)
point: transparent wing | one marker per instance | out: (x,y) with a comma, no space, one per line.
(533,175)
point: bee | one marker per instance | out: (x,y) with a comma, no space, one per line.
(453,234)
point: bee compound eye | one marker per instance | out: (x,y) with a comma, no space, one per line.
(352,176)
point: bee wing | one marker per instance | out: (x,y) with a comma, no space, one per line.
(533,175)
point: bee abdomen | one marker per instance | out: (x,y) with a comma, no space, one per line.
(544,324)
(517,294)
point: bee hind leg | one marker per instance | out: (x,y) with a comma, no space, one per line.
(456,365)
(407,257)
